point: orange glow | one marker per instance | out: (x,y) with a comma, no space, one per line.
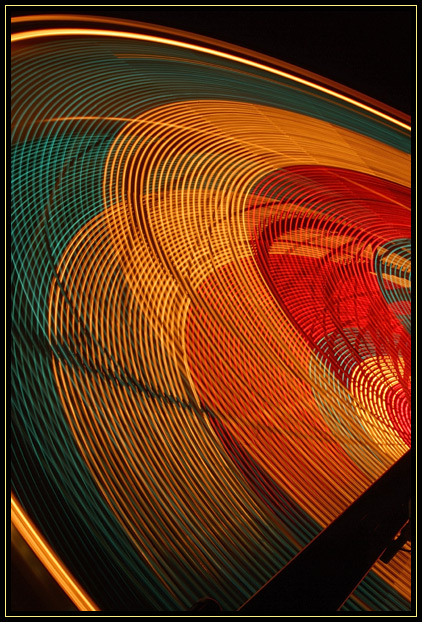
(217,279)
(48,557)
(248,403)
(59,32)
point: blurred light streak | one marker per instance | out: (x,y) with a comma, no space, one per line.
(50,560)
(211,310)
(58,32)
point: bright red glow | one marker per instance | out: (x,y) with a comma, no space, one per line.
(315,235)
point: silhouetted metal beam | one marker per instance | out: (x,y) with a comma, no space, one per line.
(322,576)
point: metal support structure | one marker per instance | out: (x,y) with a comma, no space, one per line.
(322,576)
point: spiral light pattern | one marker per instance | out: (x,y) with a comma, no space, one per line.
(211,313)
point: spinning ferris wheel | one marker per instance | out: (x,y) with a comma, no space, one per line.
(210,311)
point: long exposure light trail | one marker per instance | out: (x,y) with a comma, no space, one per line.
(49,559)
(57,32)
(211,314)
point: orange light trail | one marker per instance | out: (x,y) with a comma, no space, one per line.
(47,556)
(174,224)
(211,305)
(57,32)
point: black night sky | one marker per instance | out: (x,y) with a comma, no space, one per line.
(370,49)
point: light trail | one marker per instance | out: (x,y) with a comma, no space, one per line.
(211,312)
(48,558)
(58,32)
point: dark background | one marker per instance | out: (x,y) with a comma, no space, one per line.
(371,50)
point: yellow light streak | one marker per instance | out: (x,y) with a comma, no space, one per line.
(176,186)
(186,170)
(397,280)
(49,558)
(371,404)
(57,32)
